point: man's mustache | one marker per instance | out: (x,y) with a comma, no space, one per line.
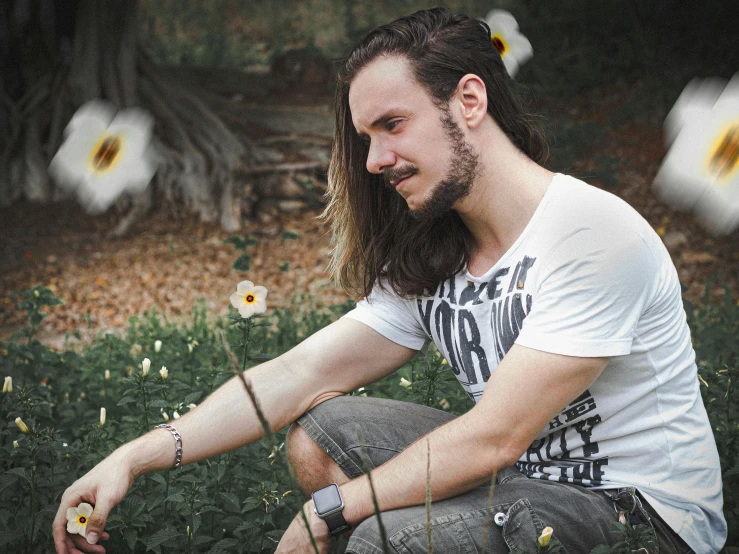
(397,174)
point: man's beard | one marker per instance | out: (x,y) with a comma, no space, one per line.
(461,173)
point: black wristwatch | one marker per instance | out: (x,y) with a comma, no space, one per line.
(328,505)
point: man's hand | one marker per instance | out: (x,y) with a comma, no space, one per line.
(296,539)
(104,486)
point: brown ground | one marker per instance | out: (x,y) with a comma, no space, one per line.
(169,264)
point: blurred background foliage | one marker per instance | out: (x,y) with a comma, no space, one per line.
(578,44)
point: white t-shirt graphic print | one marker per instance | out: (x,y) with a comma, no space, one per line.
(587,277)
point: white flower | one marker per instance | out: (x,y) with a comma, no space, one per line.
(701,169)
(545,536)
(175,415)
(165,415)
(514,48)
(15,444)
(103,413)
(157,345)
(248,299)
(8,384)
(145,366)
(21,425)
(105,154)
(192,406)
(77,518)
(405,383)
(189,348)
(164,372)
(107,375)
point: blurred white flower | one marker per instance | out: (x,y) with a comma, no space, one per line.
(157,345)
(107,375)
(77,518)
(444,403)
(105,154)
(192,406)
(514,48)
(103,414)
(145,366)
(165,415)
(164,372)
(701,169)
(405,383)
(189,348)
(175,415)
(21,425)
(8,384)
(15,444)
(249,300)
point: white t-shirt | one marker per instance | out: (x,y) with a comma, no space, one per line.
(587,277)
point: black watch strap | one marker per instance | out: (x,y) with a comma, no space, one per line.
(336,523)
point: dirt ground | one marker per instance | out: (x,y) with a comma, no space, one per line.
(169,264)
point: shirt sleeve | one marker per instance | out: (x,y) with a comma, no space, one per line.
(391,316)
(593,289)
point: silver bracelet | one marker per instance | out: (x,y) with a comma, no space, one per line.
(177,443)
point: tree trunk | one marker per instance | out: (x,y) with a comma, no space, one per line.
(57,55)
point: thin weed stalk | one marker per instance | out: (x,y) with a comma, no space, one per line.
(368,472)
(488,513)
(429,542)
(269,433)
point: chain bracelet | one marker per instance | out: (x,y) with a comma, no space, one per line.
(177,443)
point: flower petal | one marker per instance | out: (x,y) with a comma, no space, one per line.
(261,292)
(237,300)
(85,509)
(260,306)
(246,310)
(73,527)
(72,513)
(245,286)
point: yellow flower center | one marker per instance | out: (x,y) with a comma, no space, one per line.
(499,44)
(724,157)
(106,153)
(82,520)
(250,298)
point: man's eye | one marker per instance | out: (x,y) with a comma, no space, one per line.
(392,124)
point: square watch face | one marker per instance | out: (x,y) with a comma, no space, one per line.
(327,499)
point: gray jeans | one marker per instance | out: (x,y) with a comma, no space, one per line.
(521,508)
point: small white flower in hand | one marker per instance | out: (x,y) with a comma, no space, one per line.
(249,300)
(77,519)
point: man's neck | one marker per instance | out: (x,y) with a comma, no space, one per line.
(502,201)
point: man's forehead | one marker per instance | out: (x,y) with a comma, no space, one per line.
(385,83)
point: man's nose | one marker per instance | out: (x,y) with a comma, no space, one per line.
(379,158)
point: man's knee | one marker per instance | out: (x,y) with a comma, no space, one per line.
(312,467)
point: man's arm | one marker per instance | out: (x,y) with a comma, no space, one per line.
(336,360)
(527,389)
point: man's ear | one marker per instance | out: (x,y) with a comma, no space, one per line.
(473,100)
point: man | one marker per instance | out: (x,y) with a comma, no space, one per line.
(555,303)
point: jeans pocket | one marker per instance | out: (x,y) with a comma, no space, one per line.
(522,527)
(449,534)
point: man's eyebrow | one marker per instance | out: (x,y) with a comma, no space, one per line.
(384,118)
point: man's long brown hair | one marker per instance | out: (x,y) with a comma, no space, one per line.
(375,239)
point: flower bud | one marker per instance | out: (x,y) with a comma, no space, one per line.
(107,375)
(8,384)
(103,413)
(175,415)
(546,534)
(145,366)
(405,383)
(444,403)
(165,415)
(157,345)
(163,372)
(15,444)
(21,425)
(189,348)
(36,293)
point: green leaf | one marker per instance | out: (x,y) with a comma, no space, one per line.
(20,472)
(242,263)
(130,536)
(160,537)
(127,400)
(289,235)
(176,497)
(223,545)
